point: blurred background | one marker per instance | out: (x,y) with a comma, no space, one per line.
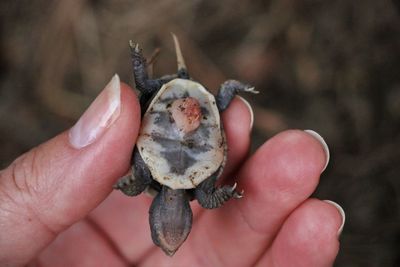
(330,66)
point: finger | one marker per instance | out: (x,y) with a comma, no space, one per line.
(238,123)
(309,237)
(126,219)
(54,185)
(281,175)
(79,245)
(276,179)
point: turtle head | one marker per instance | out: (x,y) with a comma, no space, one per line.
(186,113)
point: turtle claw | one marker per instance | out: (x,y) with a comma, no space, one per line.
(251,90)
(233,187)
(236,194)
(134,46)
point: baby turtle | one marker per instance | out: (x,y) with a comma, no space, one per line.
(181,149)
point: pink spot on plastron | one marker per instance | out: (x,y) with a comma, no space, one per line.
(186,113)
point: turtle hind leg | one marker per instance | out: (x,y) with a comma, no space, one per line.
(228,90)
(139,179)
(211,197)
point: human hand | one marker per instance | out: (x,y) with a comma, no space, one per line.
(50,213)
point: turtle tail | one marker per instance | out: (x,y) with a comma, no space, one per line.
(170,219)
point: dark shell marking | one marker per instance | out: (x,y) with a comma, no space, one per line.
(181,161)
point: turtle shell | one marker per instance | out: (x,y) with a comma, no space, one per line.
(177,160)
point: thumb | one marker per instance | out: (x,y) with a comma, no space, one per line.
(57,183)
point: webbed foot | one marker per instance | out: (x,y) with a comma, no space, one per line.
(211,197)
(139,178)
(131,186)
(228,90)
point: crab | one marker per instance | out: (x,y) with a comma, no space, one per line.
(181,149)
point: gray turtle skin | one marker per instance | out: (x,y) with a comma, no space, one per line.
(178,166)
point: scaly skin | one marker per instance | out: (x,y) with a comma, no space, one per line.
(170,214)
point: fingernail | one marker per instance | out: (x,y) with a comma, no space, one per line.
(323,143)
(250,110)
(100,115)
(342,213)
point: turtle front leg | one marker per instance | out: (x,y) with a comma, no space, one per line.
(211,197)
(228,90)
(139,179)
(144,84)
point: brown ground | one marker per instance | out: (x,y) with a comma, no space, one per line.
(331,66)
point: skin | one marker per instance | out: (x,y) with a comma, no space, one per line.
(61,198)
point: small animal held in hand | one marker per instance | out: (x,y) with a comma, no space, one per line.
(181,148)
